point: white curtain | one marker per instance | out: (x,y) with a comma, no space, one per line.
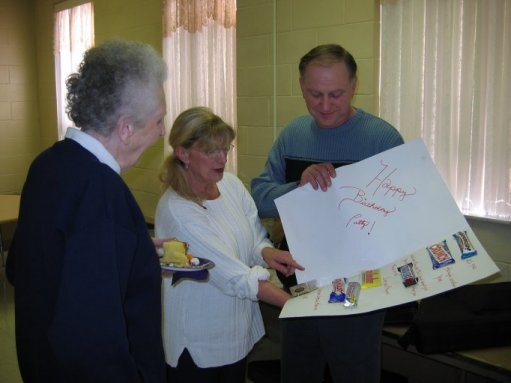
(199,46)
(445,77)
(73,35)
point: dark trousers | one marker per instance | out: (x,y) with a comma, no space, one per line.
(188,372)
(349,345)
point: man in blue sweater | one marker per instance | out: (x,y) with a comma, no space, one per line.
(85,272)
(308,150)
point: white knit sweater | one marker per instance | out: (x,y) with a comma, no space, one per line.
(218,321)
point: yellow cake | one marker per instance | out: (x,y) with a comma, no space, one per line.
(175,253)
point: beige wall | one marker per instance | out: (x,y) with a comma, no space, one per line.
(19,131)
(272,36)
(28,117)
(136,20)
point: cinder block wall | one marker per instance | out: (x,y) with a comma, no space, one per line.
(28,119)
(19,132)
(272,36)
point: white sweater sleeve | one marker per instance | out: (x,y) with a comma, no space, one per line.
(222,233)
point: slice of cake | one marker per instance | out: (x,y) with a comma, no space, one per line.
(175,253)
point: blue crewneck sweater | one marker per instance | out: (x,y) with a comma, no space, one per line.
(302,143)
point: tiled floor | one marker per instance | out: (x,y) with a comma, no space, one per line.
(9,373)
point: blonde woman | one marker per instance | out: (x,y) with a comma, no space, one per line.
(210,327)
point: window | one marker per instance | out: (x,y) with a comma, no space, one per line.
(73,35)
(199,46)
(445,78)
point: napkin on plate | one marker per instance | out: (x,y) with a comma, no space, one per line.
(199,275)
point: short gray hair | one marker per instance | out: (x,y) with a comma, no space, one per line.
(115,78)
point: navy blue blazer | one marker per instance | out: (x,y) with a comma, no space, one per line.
(86,275)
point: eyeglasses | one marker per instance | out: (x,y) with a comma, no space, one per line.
(216,153)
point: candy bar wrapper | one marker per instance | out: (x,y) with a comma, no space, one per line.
(408,275)
(352,294)
(440,255)
(338,295)
(371,278)
(467,250)
(303,288)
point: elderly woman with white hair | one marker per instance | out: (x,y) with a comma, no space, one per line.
(85,271)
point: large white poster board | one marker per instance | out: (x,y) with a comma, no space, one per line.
(379,213)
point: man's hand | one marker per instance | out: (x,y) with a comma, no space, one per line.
(318,175)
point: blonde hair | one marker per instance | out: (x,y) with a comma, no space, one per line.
(198,127)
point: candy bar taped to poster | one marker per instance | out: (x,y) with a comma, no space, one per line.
(389,225)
